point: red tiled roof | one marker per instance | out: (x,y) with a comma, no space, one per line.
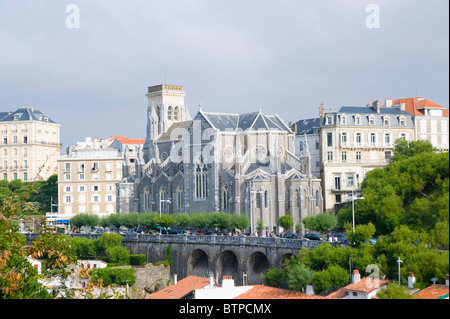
(414,104)
(181,289)
(266,292)
(364,286)
(432,292)
(125,140)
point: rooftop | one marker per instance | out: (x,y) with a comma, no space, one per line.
(25,114)
(433,292)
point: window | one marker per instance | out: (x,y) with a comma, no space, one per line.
(387,155)
(317,144)
(95,167)
(96,198)
(180,197)
(162,198)
(81,177)
(357,120)
(386,120)
(67,177)
(330,156)
(337,182)
(175,113)
(358,139)
(67,167)
(68,189)
(387,139)
(403,136)
(68,199)
(372,139)
(300,146)
(344,139)
(258,200)
(25,176)
(81,167)
(338,198)
(371,120)
(82,188)
(225,197)
(266,198)
(358,156)
(169,112)
(109,198)
(402,121)
(146,199)
(329,120)
(329,139)
(350,180)
(201,178)
(317,198)
(95,188)
(296,199)
(344,156)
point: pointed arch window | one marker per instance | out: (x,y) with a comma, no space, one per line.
(162,197)
(176,113)
(225,197)
(146,199)
(170,112)
(266,198)
(201,178)
(296,199)
(180,198)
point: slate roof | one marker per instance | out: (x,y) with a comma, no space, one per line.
(306,126)
(248,121)
(25,114)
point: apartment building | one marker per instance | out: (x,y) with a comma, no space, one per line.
(430,119)
(87,178)
(30,144)
(355,140)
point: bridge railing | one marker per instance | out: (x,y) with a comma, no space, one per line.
(207,239)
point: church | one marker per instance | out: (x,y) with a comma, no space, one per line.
(235,163)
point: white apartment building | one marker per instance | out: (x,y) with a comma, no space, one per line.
(430,119)
(30,144)
(87,178)
(355,140)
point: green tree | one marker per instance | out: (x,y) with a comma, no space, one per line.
(330,279)
(165,220)
(321,222)
(239,221)
(298,276)
(286,222)
(108,240)
(118,255)
(182,220)
(85,219)
(220,220)
(84,247)
(362,233)
(394,291)
(112,276)
(272,277)
(406,149)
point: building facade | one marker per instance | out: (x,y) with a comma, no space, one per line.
(430,119)
(87,178)
(236,163)
(354,141)
(30,144)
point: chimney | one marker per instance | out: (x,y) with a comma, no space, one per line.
(446,280)
(227,282)
(175,279)
(322,111)
(388,103)
(411,280)
(356,277)
(376,105)
(309,289)
(211,281)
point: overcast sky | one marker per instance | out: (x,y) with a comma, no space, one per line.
(283,56)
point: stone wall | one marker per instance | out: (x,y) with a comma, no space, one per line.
(149,278)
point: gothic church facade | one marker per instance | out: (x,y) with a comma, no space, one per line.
(236,163)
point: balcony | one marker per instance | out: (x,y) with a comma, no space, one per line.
(366,145)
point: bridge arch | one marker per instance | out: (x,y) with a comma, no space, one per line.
(283,259)
(198,263)
(258,263)
(227,265)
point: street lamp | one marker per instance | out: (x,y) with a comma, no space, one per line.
(399,261)
(353,209)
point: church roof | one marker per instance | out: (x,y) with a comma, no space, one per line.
(248,121)
(167,136)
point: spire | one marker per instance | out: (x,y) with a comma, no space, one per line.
(187,116)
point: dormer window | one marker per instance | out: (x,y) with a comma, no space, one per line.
(329,120)
(357,119)
(343,119)
(402,121)
(16,117)
(386,120)
(371,120)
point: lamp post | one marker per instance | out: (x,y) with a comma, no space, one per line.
(399,261)
(353,209)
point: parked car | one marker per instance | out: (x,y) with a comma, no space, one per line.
(291,236)
(372,241)
(312,237)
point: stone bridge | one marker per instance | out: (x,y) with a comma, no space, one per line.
(243,258)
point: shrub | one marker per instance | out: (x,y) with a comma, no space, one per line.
(138,260)
(118,255)
(116,276)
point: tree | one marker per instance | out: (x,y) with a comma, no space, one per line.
(85,219)
(112,276)
(239,221)
(165,220)
(321,222)
(298,276)
(331,278)
(394,291)
(182,220)
(108,240)
(362,233)
(273,277)
(118,255)
(84,247)
(220,220)
(286,222)
(405,149)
